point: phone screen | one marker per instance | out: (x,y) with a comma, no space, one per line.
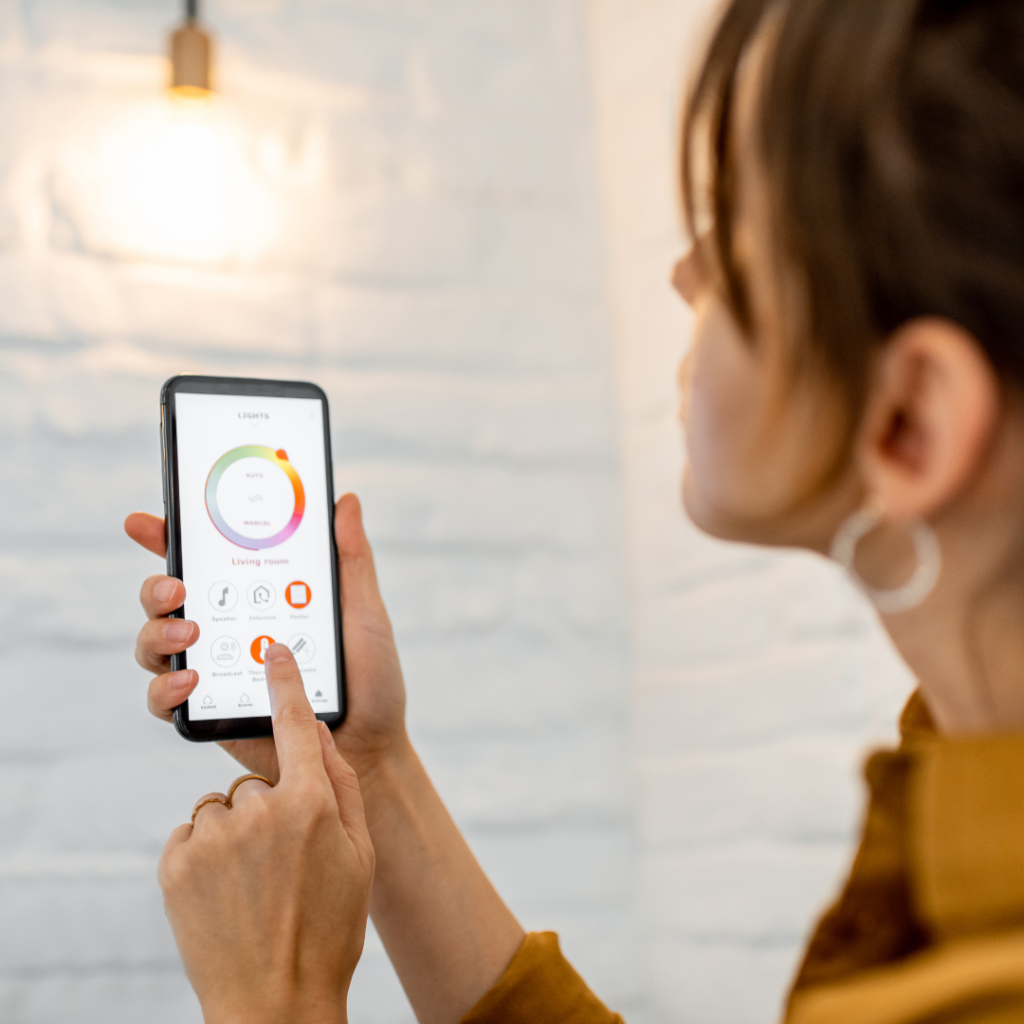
(256,554)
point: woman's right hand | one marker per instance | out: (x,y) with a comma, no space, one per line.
(375,724)
(268,889)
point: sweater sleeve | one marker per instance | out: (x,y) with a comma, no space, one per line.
(540,986)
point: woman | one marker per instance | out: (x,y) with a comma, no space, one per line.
(854,172)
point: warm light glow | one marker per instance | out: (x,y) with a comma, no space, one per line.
(190,92)
(174,181)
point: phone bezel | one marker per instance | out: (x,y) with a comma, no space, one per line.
(238,728)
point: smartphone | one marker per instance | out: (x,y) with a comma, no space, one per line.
(249,507)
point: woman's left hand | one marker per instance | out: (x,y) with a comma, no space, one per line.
(268,894)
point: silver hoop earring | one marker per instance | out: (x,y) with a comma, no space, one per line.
(925,575)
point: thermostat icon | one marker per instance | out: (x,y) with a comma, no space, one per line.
(258,648)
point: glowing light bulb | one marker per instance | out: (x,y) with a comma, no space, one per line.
(173,181)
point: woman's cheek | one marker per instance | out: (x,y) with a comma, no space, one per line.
(709,460)
(685,380)
(705,474)
(721,397)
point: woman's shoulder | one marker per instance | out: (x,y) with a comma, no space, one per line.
(930,924)
(977,980)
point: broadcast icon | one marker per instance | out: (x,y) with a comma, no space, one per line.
(298,594)
(225,652)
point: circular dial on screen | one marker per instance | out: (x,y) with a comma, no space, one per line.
(255,497)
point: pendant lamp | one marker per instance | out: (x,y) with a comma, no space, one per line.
(191,57)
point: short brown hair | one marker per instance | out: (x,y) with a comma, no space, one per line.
(892,138)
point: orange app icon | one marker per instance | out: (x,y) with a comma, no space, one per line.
(298,594)
(259,647)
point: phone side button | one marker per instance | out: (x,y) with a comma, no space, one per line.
(163,468)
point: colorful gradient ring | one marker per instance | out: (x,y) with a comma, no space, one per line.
(279,459)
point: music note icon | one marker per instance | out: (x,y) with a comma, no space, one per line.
(223,596)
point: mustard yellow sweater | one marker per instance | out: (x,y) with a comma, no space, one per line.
(929,928)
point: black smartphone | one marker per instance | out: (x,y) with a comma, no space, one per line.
(249,506)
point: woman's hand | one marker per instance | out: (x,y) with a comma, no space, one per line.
(268,899)
(446,930)
(375,724)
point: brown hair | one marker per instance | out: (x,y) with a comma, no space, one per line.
(892,140)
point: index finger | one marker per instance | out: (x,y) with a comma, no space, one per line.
(295,726)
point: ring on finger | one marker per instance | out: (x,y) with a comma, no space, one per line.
(209,800)
(246,778)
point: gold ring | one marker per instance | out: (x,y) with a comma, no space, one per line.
(202,803)
(245,778)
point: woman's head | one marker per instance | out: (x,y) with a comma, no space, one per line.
(858,169)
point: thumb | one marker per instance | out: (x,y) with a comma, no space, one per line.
(360,594)
(148,531)
(345,784)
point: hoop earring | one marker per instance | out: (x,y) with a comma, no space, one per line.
(925,575)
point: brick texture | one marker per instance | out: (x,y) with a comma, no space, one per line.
(457,218)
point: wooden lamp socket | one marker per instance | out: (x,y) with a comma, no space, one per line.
(191,53)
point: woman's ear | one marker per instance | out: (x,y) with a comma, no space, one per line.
(931,411)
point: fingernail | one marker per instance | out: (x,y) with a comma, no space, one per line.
(164,591)
(277,652)
(181,680)
(177,630)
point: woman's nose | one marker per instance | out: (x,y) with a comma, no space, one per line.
(687,276)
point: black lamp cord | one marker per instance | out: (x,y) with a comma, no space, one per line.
(191,11)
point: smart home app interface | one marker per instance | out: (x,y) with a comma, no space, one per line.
(255,549)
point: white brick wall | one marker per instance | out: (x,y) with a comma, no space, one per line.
(619,713)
